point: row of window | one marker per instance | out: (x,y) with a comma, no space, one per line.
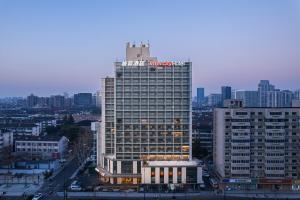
(260,113)
(36,144)
(35,150)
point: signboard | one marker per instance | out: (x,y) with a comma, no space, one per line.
(231,180)
(275,181)
(151,63)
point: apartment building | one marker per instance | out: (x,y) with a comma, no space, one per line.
(257,147)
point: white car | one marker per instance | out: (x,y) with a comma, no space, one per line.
(75,186)
(37,196)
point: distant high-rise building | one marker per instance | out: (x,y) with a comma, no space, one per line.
(83,99)
(214,99)
(249,98)
(264,86)
(279,98)
(43,102)
(32,101)
(146,122)
(98,99)
(57,101)
(233,94)
(200,96)
(297,94)
(226,92)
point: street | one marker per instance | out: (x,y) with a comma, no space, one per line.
(59,181)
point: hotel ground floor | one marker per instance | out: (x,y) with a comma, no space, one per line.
(150,172)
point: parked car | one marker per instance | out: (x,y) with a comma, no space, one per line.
(37,196)
(213,182)
(75,186)
(202,186)
(205,174)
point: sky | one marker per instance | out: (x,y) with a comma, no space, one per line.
(55,46)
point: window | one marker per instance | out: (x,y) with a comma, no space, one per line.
(191,175)
(126,167)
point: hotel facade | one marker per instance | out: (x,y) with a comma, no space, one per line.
(145,135)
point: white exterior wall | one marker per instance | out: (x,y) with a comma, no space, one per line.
(175,180)
(219,134)
(134,167)
(118,167)
(146,175)
(183,174)
(157,175)
(6,139)
(166,175)
(199,175)
(111,166)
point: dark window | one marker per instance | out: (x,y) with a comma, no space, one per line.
(191,175)
(126,167)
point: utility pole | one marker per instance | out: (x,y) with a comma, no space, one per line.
(65,188)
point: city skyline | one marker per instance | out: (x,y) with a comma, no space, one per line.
(69,49)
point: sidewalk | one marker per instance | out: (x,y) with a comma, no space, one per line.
(263,194)
(19,189)
(135,195)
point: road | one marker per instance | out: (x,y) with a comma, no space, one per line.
(60,181)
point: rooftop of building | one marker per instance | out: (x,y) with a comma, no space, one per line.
(16,125)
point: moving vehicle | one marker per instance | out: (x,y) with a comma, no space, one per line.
(37,196)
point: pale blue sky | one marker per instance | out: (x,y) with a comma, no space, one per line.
(52,46)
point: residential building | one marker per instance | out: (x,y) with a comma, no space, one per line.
(279,98)
(146,122)
(264,86)
(249,98)
(57,101)
(257,148)
(95,128)
(200,96)
(83,99)
(226,92)
(29,129)
(42,147)
(297,94)
(32,101)
(98,99)
(6,138)
(214,100)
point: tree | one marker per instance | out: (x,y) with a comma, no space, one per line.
(82,146)
(6,156)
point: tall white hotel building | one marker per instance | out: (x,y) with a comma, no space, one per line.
(146,123)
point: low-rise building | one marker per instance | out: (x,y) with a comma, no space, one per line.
(29,129)
(42,147)
(6,138)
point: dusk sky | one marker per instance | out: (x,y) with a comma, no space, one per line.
(55,46)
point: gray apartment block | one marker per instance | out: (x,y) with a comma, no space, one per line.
(257,147)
